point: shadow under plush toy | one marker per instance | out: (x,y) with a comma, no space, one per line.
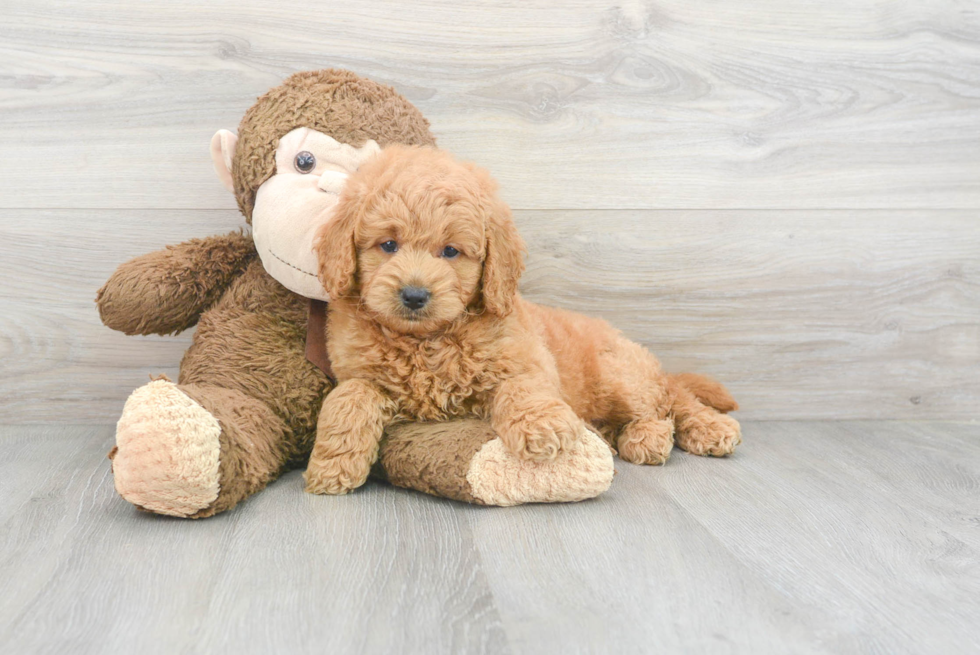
(251,386)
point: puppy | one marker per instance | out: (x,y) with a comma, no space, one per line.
(422,262)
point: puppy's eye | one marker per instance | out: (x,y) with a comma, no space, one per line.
(389,246)
(449,252)
(305,162)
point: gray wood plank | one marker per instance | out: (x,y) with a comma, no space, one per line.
(30,453)
(631,572)
(965,434)
(804,314)
(890,576)
(815,537)
(383,571)
(943,465)
(56,357)
(605,104)
(83,572)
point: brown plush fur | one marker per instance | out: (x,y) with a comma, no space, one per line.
(165,292)
(337,103)
(476,348)
(246,364)
(434,458)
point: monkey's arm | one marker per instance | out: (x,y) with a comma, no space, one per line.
(165,292)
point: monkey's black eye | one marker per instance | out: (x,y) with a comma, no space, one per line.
(305,162)
(389,246)
(449,252)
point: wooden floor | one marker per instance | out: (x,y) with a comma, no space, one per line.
(831,537)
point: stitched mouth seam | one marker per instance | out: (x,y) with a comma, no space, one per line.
(292,266)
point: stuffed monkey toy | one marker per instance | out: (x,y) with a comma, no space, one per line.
(244,408)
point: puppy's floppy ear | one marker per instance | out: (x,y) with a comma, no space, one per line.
(335,249)
(504,261)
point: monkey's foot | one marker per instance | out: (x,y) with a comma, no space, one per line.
(167,451)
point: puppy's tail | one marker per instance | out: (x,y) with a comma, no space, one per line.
(710,392)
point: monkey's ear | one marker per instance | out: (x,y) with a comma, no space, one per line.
(504,262)
(222,155)
(335,250)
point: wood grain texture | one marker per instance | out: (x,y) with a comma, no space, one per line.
(392,572)
(796,544)
(56,357)
(815,537)
(705,176)
(832,535)
(631,573)
(609,104)
(803,313)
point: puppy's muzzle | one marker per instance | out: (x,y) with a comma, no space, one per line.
(415,298)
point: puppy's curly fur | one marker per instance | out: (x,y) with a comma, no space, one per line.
(422,260)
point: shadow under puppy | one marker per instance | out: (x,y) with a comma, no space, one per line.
(423,260)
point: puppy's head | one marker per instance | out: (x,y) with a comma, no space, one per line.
(421,239)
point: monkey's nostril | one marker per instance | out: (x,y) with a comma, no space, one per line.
(415,297)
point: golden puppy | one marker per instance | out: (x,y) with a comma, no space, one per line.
(422,260)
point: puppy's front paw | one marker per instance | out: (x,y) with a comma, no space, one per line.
(336,475)
(542,437)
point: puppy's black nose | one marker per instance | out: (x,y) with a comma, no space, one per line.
(415,297)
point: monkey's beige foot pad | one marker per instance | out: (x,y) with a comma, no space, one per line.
(466,461)
(584,470)
(167,451)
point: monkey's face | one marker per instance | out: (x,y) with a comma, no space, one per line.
(299,198)
(311,170)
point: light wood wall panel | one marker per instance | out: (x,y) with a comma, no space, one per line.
(572,104)
(825,314)
(785,195)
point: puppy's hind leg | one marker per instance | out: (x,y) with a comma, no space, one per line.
(702,430)
(646,440)
(640,400)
